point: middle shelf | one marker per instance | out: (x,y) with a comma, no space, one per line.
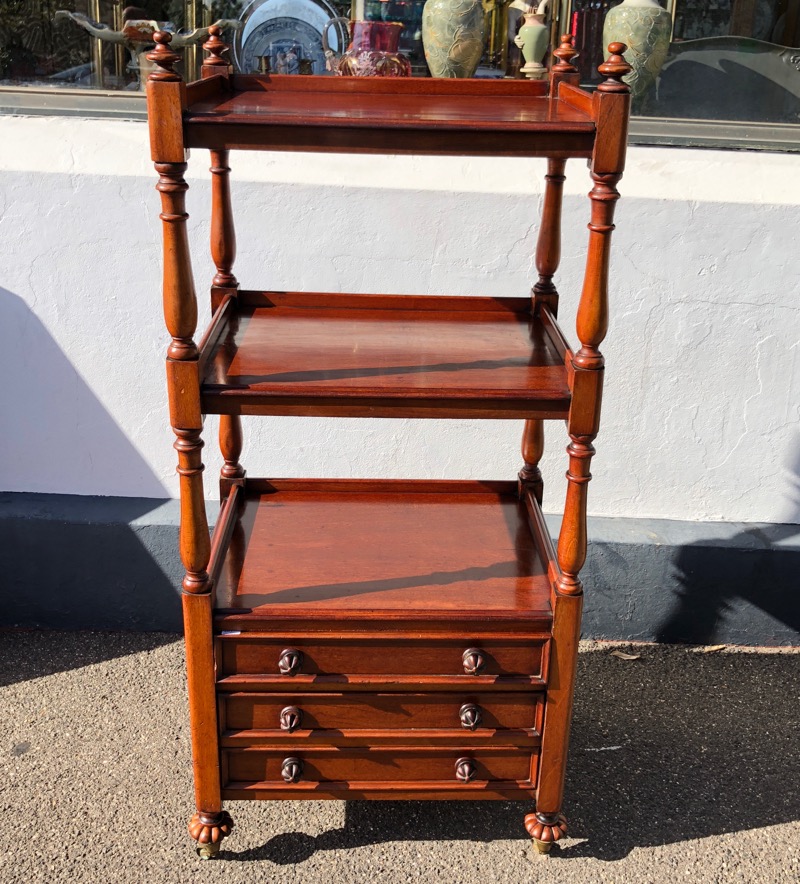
(348,551)
(345,355)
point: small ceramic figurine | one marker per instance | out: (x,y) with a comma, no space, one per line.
(532,39)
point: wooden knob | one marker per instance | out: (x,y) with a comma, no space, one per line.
(615,68)
(470,716)
(291,718)
(163,58)
(290,661)
(473,660)
(292,769)
(216,46)
(465,770)
(565,53)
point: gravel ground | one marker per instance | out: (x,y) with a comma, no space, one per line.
(685,766)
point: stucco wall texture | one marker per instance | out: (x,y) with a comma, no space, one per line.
(703,354)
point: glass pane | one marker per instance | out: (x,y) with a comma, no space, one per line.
(732,60)
(98,44)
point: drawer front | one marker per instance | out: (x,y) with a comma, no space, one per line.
(267,656)
(291,712)
(287,767)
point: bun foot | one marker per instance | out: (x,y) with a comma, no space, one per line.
(545,829)
(208,830)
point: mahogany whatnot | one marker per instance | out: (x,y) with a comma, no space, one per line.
(372,638)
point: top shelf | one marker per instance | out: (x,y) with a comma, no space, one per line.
(376,115)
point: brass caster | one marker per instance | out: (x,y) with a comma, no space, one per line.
(542,847)
(207,851)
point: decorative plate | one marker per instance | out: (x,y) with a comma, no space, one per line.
(287,32)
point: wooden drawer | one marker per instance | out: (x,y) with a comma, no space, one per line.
(303,713)
(299,766)
(314,656)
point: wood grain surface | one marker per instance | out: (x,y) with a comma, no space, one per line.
(377,655)
(343,711)
(480,354)
(373,114)
(372,549)
(398,764)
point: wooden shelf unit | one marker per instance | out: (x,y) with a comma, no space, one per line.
(382,638)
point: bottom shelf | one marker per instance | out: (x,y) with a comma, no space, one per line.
(315,551)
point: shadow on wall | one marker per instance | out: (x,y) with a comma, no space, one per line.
(757,567)
(68,561)
(54,424)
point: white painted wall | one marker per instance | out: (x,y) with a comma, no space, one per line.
(703,381)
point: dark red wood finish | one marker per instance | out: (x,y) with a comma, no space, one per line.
(366,115)
(398,764)
(246,714)
(384,355)
(375,639)
(369,550)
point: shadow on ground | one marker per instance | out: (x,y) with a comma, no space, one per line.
(675,746)
(27,654)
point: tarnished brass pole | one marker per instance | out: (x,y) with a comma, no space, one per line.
(119,49)
(191,70)
(97,48)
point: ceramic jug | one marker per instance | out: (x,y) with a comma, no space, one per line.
(374,50)
(532,39)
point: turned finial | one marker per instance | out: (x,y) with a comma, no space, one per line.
(216,46)
(164,58)
(565,53)
(615,68)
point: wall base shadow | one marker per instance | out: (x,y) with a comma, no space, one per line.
(678,745)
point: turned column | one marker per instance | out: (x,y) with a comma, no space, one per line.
(548,256)
(530,475)
(223,253)
(165,98)
(610,108)
(548,245)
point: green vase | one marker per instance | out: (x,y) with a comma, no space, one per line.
(532,39)
(452,35)
(645,27)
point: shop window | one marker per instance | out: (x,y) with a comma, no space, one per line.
(730,72)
